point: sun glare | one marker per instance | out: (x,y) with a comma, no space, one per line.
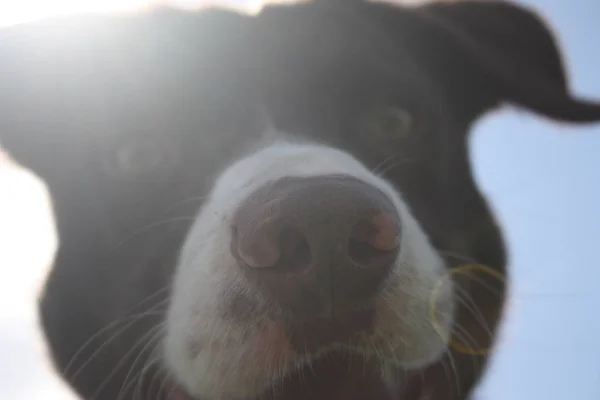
(14,12)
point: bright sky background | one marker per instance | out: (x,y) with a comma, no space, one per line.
(543,180)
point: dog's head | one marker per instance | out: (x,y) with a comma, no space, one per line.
(278,205)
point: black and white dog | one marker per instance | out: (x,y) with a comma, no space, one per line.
(273,206)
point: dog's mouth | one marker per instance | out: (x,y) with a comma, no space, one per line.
(336,376)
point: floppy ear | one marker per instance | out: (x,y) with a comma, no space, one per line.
(491,52)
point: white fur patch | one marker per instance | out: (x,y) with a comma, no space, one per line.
(216,358)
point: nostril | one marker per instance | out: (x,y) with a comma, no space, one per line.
(271,245)
(258,248)
(386,232)
(373,237)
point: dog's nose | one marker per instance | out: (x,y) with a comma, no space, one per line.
(317,244)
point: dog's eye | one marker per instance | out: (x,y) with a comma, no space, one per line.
(392,122)
(141,157)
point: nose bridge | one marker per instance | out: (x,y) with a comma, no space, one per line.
(326,209)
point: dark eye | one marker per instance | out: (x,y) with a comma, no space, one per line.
(139,157)
(391,122)
(143,156)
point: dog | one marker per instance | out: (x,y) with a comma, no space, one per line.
(278,205)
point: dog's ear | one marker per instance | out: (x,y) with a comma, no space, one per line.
(494,52)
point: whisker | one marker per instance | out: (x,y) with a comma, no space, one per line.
(389,163)
(156,377)
(463,296)
(132,320)
(155,337)
(454,369)
(466,337)
(469,273)
(165,383)
(116,322)
(472,275)
(163,388)
(141,341)
(154,225)
(458,256)
(140,376)
(184,202)
(469,342)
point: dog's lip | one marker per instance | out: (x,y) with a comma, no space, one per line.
(177,393)
(409,389)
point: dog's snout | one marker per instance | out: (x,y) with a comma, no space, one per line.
(314,243)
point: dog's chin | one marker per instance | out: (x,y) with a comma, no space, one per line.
(335,376)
